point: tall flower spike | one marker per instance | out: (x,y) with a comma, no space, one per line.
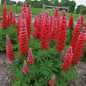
(35,27)
(76,33)
(19,23)
(58,22)
(25,68)
(71,23)
(52,81)
(39,26)
(30,59)
(67,60)
(61,38)
(45,32)
(11,13)
(29,19)
(54,30)
(79,47)
(24,8)
(23,39)
(9,50)
(4,18)
(56,12)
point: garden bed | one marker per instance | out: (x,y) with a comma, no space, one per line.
(6,78)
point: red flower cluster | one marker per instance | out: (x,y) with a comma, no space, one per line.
(76,33)
(8,19)
(11,13)
(67,60)
(9,50)
(30,59)
(37,26)
(52,81)
(23,38)
(4,18)
(24,8)
(45,32)
(19,23)
(71,23)
(54,30)
(62,33)
(29,18)
(25,68)
(51,23)
(14,20)
(79,47)
(56,12)
(58,22)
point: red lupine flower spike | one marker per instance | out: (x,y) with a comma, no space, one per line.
(78,48)
(19,23)
(67,60)
(56,12)
(23,39)
(61,38)
(11,13)
(39,26)
(51,23)
(45,32)
(9,50)
(54,30)
(71,22)
(29,19)
(52,81)
(25,68)
(76,33)
(29,9)
(4,18)
(30,59)
(24,8)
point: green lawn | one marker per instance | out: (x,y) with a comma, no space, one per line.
(35,11)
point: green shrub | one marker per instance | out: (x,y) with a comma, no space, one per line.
(47,63)
(12,32)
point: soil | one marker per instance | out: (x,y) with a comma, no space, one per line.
(6,78)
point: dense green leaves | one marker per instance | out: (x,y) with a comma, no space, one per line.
(12,32)
(47,63)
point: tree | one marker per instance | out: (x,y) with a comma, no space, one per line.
(72,6)
(7,1)
(56,3)
(80,9)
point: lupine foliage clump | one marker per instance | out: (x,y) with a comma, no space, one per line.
(12,32)
(46,64)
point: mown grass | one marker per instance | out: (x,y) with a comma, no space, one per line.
(35,11)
